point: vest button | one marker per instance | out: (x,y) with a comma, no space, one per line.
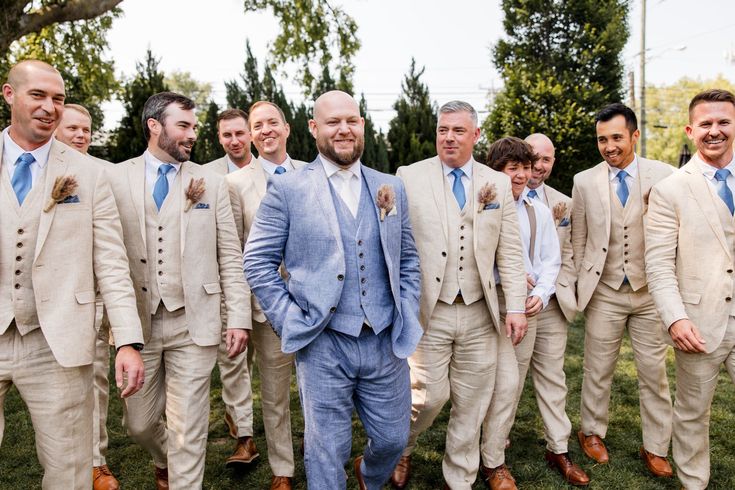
(364,293)
(625,227)
(332,309)
(160,239)
(160,250)
(145,289)
(361,255)
(461,258)
(359,243)
(363,280)
(160,228)
(17,273)
(19,245)
(461,227)
(729,271)
(17,286)
(340,277)
(728,299)
(362,267)
(20,231)
(461,247)
(625,236)
(461,268)
(625,261)
(160,262)
(444,254)
(143,260)
(625,253)
(18,258)
(461,237)
(160,273)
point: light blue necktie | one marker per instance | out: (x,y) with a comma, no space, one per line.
(160,190)
(622,187)
(458,187)
(280,170)
(723,189)
(532,193)
(22,179)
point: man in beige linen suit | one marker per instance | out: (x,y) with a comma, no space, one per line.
(47,334)
(75,130)
(237,394)
(269,131)
(465,224)
(609,204)
(184,252)
(690,261)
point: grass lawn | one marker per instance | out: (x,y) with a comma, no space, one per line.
(19,468)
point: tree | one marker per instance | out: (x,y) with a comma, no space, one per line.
(667,108)
(313,34)
(301,144)
(183,83)
(375,154)
(412,132)
(207,147)
(560,63)
(241,94)
(128,139)
(23,17)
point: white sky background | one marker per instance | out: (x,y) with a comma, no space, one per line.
(451,39)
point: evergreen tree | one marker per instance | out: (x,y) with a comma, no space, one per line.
(207,147)
(560,63)
(241,94)
(301,144)
(375,154)
(412,132)
(128,140)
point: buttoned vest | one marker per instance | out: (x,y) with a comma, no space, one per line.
(461,273)
(366,293)
(626,248)
(18,244)
(163,241)
(728,226)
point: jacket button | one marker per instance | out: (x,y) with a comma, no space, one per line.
(729,271)
(332,309)
(597,272)
(145,289)
(438,280)
(604,249)
(143,260)
(340,277)
(444,254)
(728,299)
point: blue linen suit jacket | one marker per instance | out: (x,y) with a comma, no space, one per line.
(297,224)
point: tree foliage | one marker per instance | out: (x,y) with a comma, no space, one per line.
(313,34)
(184,83)
(561,63)
(412,132)
(207,147)
(375,154)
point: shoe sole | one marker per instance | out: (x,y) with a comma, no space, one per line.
(237,462)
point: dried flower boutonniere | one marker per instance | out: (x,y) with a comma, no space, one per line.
(560,214)
(194,193)
(64,189)
(386,200)
(486,198)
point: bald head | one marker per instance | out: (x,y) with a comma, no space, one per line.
(544,148)
(333,99)
(338,128)
(21,73)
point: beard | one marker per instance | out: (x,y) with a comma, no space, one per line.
(343,158)
(173,147)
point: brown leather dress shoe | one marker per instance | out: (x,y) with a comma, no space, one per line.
(498,478)
(593,447)
(281,483)
(102,479)
(571,472)
(231,425)
(358,474)
(657,465)
(245,452)
(161,478)
(401,473)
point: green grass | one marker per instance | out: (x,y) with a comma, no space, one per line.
(19,468)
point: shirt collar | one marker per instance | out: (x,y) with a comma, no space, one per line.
(466,168)
(631,169)
(709,170)
(332,168)
(13,151)
(271,167)
(540,192)
(154,162)
(231,167)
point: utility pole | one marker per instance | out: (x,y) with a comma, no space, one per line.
(643,79)
(631,89)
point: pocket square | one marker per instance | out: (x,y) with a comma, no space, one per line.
(70,199)
(491,205)
(393,212)
(564,222)
(201,205)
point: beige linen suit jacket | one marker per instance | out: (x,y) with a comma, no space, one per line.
(566,281)
(689,265)
(219,166)
(76,243)
(211,256)
(591,219)
(497,238)
(247,187)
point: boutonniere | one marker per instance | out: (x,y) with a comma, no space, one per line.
(386,201)
(486,198)
(560,214)
(63,190)
(194,193)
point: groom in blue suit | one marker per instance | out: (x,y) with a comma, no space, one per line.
(349,309)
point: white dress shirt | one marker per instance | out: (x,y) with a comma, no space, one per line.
(11,152)
(632,169)
(540,194)
(231,167)
(546,253)
(151,171)
(466,178)
(271,167)
(354,180)
(709,172)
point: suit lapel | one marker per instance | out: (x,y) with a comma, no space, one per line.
(136,181)
(646,180)
(436,180)
(56,167)
(260,180)
(703,195)
(187,174)
(478,179)
(318,177)
(372,183)
(602,184)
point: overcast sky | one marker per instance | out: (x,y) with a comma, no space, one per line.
(451,39)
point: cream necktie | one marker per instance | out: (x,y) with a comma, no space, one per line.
(345,191)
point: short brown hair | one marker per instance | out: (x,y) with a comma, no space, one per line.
(711,95)
(228,114)
(80,109)
(265,102)
(509,149)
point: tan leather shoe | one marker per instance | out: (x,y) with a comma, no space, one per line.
(245,452)
(231,425)
(358,474)
(281,483)
(498,478)
(593,447)
(161,478)
(657,465)
(401,473)
(102,479)
(571,472)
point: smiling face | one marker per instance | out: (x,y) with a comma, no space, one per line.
(338,128)
(519,173)
(234,136)
(75,130)
(270,132)
(615,142)
(175,136)
(544,148)
(456,135)
(711,129)
(35,93)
